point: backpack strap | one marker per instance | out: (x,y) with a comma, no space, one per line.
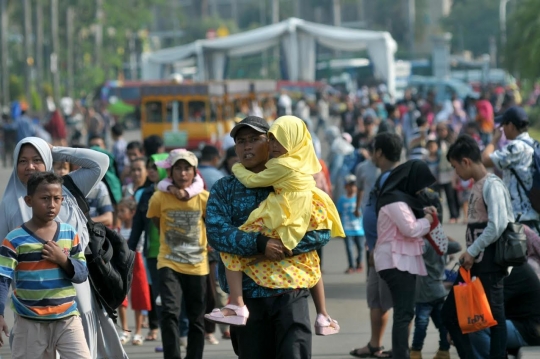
(76,192)
(519,180)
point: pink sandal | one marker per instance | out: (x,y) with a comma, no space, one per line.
(240,318)
(326,325)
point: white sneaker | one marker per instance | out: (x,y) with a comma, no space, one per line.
(183,342)
(158,300)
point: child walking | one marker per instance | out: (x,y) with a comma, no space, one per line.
(354,231)
(490,211)
(140,293)
(295,207)
(45,258)
(431,292)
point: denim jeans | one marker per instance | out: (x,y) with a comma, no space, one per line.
(358,242)
(493,286)
(423,312)
(481,341)
(402,285)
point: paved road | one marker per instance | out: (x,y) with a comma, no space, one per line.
(346,301)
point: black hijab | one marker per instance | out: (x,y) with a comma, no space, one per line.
(403,184)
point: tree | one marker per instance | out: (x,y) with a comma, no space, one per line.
(472,23)
(522,53)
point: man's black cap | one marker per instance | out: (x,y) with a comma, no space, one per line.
(515,115)
(256,123)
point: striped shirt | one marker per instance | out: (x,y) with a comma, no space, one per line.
(42,288)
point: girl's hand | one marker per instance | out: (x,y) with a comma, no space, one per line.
(430,210)
(429,217)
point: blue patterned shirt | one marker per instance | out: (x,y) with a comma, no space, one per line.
(229,206)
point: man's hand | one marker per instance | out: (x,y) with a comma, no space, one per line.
(357,213)
(53,253)
(466,260)
(275,250)
(4,328)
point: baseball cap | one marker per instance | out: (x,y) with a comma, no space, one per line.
(256,123)
(515,115)
(350,179)
(176,155)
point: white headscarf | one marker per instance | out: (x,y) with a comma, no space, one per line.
(13,209)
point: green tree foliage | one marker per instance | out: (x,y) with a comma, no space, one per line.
(472,23)
(522,53)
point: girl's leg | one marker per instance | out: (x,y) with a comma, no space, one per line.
(317,292)
(138,321)
(234,279)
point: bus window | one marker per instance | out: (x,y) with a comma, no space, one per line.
(154,112)
(180,111)
(197,111)
(215,110)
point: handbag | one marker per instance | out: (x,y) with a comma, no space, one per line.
(436,237)
(511,248)
(473,310)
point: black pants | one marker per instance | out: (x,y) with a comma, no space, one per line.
(402,286)
(451,199)
(155,314)
(172,286)
(493,286)
(278,328)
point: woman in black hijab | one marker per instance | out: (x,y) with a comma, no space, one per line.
(404,217)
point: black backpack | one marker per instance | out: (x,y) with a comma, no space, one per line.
(109,260)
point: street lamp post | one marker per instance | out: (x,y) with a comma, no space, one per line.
(502,21)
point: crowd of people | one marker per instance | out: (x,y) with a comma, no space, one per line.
(232,235)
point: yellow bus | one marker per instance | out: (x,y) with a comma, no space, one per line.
(188,114)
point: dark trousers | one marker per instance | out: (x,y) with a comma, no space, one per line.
(451,199)
(423,312)
(402,285)
(172,286)
(210,327)
(153,318)
(278,328)
(493,286)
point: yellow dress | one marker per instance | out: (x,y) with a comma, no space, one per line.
(295,207)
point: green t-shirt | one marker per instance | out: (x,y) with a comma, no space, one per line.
(153,244)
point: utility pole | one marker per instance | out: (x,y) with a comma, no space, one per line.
(4,48)
(337,12)
(29,60)
(275,11)
(55,48)
(39,51)
(99,33)
(234,9)
(411,12)
(297,9)
(70,14)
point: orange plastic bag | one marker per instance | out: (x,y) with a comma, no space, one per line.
(473,310)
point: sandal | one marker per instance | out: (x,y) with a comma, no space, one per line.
(151,336)
(125,337)
(240,318)
(137,340)
(374,352)
(326,325)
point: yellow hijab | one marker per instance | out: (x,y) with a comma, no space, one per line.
(292,133)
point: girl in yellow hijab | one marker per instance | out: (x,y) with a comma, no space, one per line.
(295,207)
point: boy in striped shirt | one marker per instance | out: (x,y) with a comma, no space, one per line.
(43,257)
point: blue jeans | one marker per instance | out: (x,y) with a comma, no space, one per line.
(480,341)
(359,242)
(423,312)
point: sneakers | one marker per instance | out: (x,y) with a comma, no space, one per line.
(442,354)
(416,354)
(183,342)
